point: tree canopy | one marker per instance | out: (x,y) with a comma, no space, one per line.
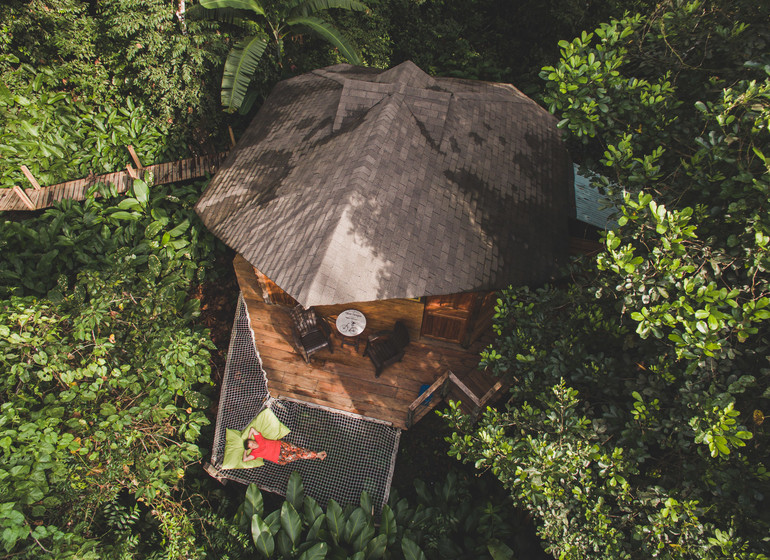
(636,422)
(635,425)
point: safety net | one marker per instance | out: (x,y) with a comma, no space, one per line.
(361,452)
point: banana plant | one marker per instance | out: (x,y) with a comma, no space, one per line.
(266,24)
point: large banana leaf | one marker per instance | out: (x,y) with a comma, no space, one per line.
(251,5)
(330,33)
(240,18)
(239,69)
(307,7)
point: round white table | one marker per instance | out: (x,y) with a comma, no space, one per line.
(350,324)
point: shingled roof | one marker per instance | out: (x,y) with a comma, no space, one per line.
(353,184)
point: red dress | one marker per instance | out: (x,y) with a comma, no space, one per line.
(269,449)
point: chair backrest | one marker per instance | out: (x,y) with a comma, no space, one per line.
(400,334)
(305,320)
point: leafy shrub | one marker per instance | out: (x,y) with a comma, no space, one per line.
(60,138)
(101,392)
(450,521)
(117,49)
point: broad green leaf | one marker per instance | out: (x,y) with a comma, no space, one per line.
(721,444)
(273,520)
(129,204)
(312,509)
(284,545)
(354,525)
(132,216)
(154,266)
(315,530)
(254,502)
(141,191)
(366,503)
(291,522)
(307,7)
(153,229)
(180,229)
(251,5)
(295,494)
(376,547)
(331,34)
(262,537)
(388,524)
(334,520)
(316,552)
(411,550)
(364,537)
(31,130)
(499,550)
(240,66)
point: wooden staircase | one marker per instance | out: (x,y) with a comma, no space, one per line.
(474,392)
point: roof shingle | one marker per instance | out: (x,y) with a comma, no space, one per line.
(356,185)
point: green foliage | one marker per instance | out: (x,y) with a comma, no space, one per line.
(639,78)
(488,39)
(447,523)
(269,23)
(60,138)
(680,287)
(638,454)
(100,51)
(634,427)
(102,369)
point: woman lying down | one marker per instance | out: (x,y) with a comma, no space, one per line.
(276,451)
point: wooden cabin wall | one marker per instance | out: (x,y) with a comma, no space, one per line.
(484,318)
(471,311)
(380,315)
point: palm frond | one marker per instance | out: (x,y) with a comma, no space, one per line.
(331,34)
(308,7)
(240,18)
(250,5)
(239,69)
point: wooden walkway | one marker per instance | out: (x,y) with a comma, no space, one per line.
(44,197)
(344,379)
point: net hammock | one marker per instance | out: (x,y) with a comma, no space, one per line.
(361,451)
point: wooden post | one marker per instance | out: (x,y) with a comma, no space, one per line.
(131,171)
(24,198)
(28,175)
(232,136)
(135,157)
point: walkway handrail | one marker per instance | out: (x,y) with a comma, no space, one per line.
(39,198)
(440,385)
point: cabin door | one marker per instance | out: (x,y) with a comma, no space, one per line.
(448,317)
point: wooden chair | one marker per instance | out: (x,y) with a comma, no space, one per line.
(311,333)
(387,347)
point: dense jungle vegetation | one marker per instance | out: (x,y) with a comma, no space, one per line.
(635,426)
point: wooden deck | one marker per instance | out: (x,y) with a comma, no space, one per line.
(344,379)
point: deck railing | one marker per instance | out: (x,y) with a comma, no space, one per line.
(424,404)
(419,408)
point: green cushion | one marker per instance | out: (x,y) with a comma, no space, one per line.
(234,448)
(267,424)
